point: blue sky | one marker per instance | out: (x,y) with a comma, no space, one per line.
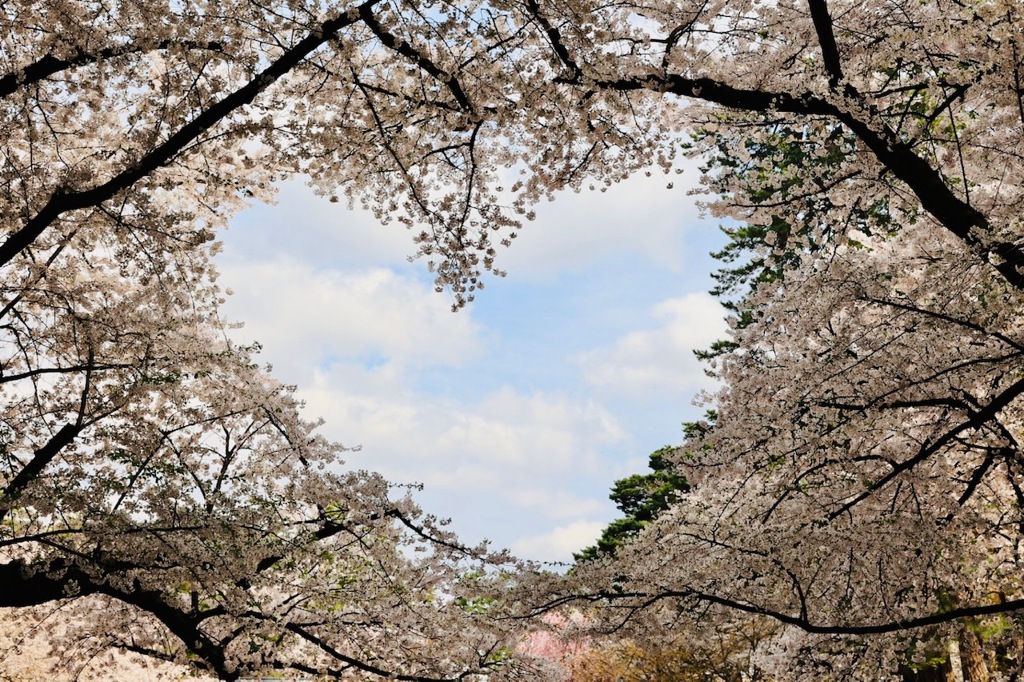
(519,412)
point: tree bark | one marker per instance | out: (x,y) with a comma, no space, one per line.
(972,657)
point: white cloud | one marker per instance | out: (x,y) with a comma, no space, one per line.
(529,459)
(506,441)
(640,215)
(383,361)
(660,359)
(305,316)
(309,227)
(560,504)
(559,543)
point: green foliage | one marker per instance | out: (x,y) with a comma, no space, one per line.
(789,215)
(475,605)
(641,497)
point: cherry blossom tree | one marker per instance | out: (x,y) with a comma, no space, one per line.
(168,497)
(863,477)
(862,481)
(157,487)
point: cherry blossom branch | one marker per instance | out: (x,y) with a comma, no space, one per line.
(330,527)
(63,201)
(49,65)
(59,579)
(403,48)
(324,646)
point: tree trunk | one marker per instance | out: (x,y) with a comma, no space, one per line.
(972,657)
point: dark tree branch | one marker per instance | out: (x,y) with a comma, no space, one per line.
(49,65)
(807,625)
(966,324)
(965,222)
(555,38)
(647,599)
(827,41)
(71,369)
(976,478)
(975,421)
(34,584)
(40,458)
(958,92)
